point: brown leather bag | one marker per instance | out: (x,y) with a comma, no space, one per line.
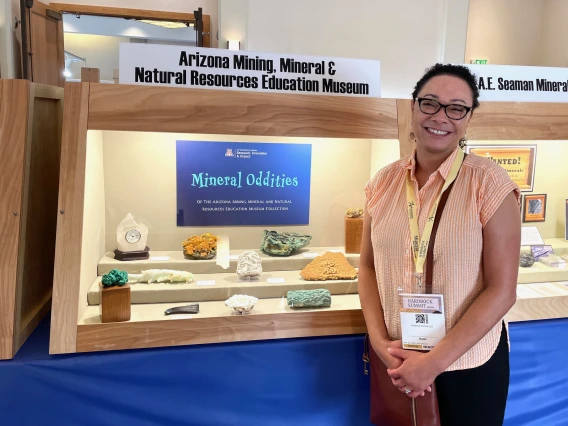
(389,406)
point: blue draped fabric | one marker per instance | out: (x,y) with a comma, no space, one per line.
(316,381)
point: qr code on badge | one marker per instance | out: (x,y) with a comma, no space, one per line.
(421,319)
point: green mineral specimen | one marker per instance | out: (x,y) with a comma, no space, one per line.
(115,277)
(320,298)
(283,243)
(526,260)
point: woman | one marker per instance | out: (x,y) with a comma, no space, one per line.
(476,255)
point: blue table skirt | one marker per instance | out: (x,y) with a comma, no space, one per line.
(315,381)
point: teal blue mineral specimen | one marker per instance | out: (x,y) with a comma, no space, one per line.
(115,277)
(283,243)
(320,298)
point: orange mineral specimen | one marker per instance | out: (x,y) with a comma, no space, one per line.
(200,247)
(329,266)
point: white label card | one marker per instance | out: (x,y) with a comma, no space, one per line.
(530,236)
(422,320)
(180,316)
(159,257)
(310,255)
(206,282)
(275,280)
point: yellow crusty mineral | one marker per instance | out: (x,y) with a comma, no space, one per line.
(354,213)
(329,266)
(200,246)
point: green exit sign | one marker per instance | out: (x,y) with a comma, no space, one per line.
(479,61)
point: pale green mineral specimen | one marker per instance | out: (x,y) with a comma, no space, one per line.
(320,298)
(283,243)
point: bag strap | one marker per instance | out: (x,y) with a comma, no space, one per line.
(430,253)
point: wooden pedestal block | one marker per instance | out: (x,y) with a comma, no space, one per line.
(115,303)
(353,234)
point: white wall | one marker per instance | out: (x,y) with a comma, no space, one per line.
(100,51)
(383,152)
(5,16)
(118,27)
(210,7)
(507,32)
(406,36)
(10,39)
(93,239)
(233,22)
(340,169)
(554,42)
(456,17)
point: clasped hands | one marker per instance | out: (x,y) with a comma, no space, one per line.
(409,369)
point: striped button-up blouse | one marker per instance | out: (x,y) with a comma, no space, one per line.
(478,191)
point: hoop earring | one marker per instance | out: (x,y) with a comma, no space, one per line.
(463,142)
(412,137)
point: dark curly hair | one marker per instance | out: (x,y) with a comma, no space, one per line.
(459,71)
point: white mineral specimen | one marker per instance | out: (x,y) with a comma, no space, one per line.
(161,276)
(249,264)
(241,303)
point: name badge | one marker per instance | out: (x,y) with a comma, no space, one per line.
(422,320)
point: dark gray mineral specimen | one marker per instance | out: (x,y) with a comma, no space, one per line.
(526,260)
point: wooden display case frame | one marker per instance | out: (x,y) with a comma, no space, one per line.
(92,106)
(31,117)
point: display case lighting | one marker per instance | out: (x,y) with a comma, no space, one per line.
(233,44)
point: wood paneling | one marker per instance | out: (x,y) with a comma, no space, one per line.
(39,217)
(404,109)
(132,335)
(45,40)
(163,109)
(90,75)
(539,308)
(120,12)
(67,269)
(519,121)
(206,31)
(501,121)
(14,104)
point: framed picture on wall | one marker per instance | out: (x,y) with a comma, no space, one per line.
(518,160)
(534,208)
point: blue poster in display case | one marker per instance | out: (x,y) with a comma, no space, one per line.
(242,183)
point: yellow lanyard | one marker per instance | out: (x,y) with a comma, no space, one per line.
(420,246)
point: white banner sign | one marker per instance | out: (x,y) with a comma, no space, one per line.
(521,84)
(204,68)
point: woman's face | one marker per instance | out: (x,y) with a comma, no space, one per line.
(437,133)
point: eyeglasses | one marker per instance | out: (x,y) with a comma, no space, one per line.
(453,111)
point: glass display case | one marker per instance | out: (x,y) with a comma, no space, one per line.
(203,216)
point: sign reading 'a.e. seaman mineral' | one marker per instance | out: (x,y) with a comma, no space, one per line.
(203,68)
(510,83)
(517,160)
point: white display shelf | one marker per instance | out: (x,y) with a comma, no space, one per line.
(175,260)
(541,273)
(226,285)
(560,245)
(539,301)
(217,309)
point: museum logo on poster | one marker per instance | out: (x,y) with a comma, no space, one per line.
(233,183)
